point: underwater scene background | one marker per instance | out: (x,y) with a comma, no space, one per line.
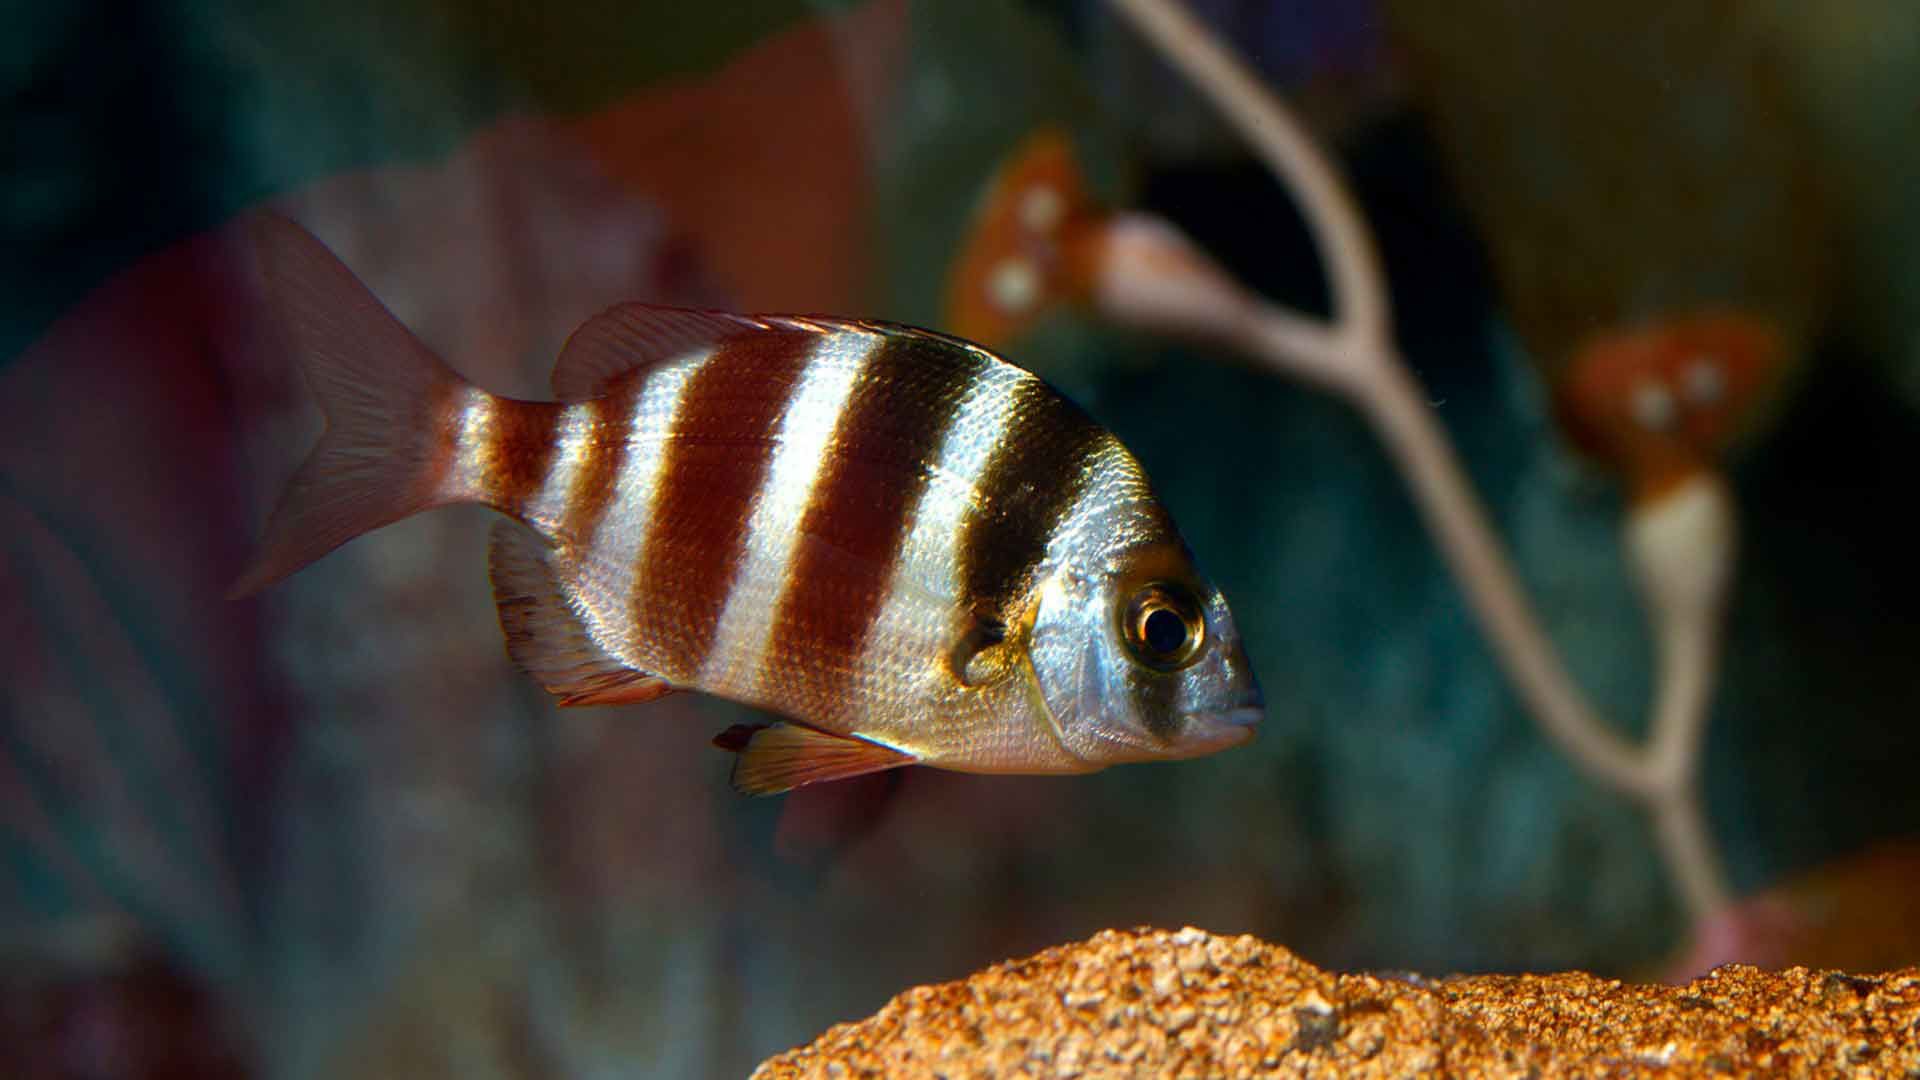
(329,830)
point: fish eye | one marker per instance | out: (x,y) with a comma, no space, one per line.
(1163,626)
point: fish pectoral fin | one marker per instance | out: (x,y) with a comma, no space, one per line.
(544,636)
(971,658)
(781,757)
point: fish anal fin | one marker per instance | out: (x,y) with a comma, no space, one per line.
(781,757)
(544,635)
(628,338)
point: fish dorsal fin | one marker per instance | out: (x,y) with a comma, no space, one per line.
(546,638)
(627,338)
(781,757)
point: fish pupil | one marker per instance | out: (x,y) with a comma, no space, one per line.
(1163,626)
(1165,631)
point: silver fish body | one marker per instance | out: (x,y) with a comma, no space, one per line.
(910,550)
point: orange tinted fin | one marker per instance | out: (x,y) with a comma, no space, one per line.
(381,389)
(627,338)
(781,757)
(546,638)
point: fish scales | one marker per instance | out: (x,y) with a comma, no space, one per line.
(714,465)
(713,557)
(803,453)
(903,401)
(611,430)
(908,549)
(604,532)
(910,647)
(503,449)
(884,456)
(1037,473)
(574,440)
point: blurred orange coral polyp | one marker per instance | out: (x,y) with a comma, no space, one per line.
(1661,401)
(1033,244)
(1859,912)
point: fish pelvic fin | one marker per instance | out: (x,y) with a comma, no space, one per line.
(546,638)
(781,757)
(385,452)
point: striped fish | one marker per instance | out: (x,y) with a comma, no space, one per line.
(908,549)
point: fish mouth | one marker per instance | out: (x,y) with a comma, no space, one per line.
(1220,729)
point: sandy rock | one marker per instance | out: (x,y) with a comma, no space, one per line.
(1158,1003)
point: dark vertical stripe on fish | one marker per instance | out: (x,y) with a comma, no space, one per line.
(1032,480)
(883,447)
(714,464)
(1152,694)
(519,446)
(604,455)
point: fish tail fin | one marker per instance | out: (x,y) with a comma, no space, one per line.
(382,456)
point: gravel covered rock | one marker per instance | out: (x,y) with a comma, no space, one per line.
(1158,1003)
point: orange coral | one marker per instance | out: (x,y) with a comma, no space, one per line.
(1662,401)
(1034,243)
